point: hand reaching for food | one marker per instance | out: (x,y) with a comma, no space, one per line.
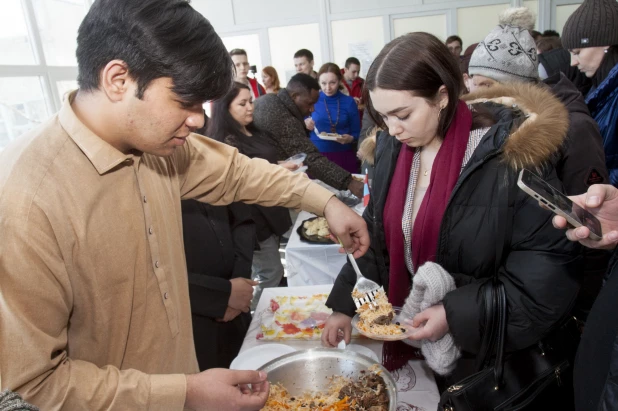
(309,123)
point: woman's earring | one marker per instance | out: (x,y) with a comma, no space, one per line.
(605,51)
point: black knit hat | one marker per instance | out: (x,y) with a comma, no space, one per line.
(593,24)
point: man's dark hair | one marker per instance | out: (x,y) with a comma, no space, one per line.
(302,83)
(238,52)
(351,60)
(536,35)
(304,53)
(548,43)
(155,38)
(551,33)
(453,38)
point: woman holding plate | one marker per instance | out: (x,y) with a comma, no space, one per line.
(335,114)
(446,217)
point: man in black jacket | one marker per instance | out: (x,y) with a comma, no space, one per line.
(581,159)
(596,364)
(282,114)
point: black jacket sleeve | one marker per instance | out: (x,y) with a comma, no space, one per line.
(540,275)
(209,295)
(583,161)
(243,237)
(340,298)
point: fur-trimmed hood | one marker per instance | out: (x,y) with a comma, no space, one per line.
(541,134)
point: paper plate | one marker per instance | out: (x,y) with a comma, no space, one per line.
(400,316)
(255,357)
(327,137)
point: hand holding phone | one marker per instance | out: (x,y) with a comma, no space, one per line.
(601,200)
(560,204)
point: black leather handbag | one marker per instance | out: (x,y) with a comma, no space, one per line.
(510,382)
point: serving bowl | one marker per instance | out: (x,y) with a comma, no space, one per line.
(310,370)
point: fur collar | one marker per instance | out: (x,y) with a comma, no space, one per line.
(541,135)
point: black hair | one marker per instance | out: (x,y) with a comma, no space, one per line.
(155,38)
(302,83)
(550,33)
(610,60)
(453,38)
(238,52)
(536,35)
(304,53)
(351,60)
(222,126)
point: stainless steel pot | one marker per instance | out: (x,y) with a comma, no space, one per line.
(309,370)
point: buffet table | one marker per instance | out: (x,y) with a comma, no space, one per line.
(416,387)
(311,264)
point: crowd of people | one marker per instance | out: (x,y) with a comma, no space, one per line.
(135,249)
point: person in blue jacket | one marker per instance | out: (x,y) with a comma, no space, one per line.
(335,113)
(591,35)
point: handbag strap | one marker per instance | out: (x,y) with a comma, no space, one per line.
(494,293)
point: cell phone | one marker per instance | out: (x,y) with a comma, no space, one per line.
(559,203)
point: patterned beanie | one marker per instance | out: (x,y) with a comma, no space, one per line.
(507,54)
(593,24)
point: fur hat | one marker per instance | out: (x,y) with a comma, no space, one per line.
(507,54)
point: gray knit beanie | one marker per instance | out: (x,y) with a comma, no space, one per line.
(593,24)
(507,54)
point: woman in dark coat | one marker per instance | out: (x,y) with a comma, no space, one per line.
(591,36)
(232,123)
(442,186)
(219,244)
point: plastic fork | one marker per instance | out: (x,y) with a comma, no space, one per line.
(363,286)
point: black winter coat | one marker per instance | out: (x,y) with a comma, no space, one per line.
(596,365)
(219,244)
(540,270)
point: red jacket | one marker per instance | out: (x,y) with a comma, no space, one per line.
(356,90)
(256,87)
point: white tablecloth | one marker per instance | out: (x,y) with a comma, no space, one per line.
(311,264)
(416,387)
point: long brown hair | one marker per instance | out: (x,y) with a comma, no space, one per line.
(272,73)
(419,63)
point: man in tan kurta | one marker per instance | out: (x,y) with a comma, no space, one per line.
(93,279)
(94,304)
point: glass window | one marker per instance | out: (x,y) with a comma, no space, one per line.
(58,21)
(14,39)
(64,87)
(360,38)
(287,40)
(475,23)
(251,44)
(562,15)
(533,5)
(22,106)
(435,25)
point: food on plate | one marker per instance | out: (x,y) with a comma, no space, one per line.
(358,178)
(294,317)
(335,135)
(318,226)
(368,392)
(376,318)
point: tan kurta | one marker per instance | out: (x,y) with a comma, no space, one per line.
(94,303)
